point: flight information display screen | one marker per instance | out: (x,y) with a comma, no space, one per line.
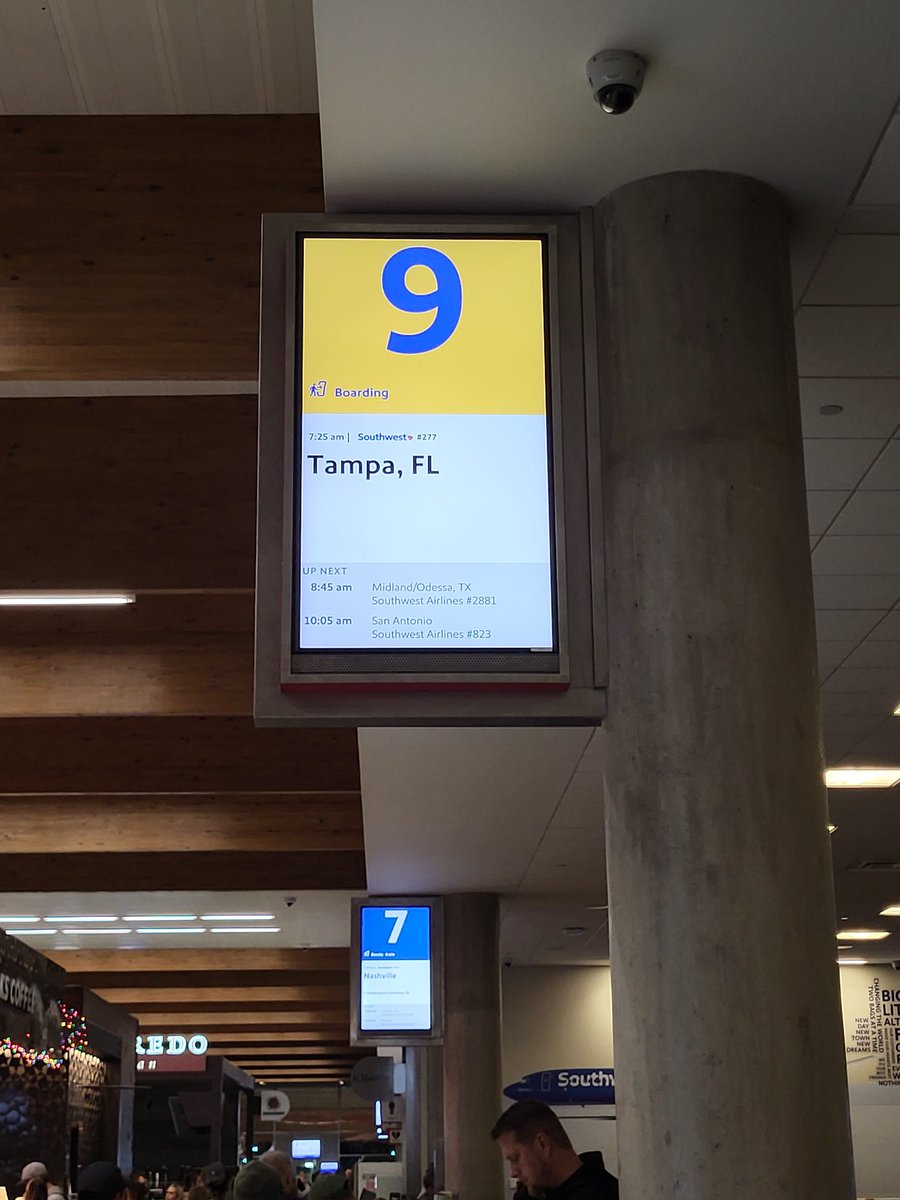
(423,485)
(395,991)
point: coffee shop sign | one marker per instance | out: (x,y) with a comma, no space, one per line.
(173,1043)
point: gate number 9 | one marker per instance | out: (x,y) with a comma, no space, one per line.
(445,300)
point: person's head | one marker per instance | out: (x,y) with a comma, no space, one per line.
(174,1192)
(534,1143)
(428,1182)
(285,1168)
(199,1192)
(215,1178)
(138,1189)
(100,1181)
(257,1181)
(34,1170)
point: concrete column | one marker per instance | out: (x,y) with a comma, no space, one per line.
(412,1122)
(726,1011)
(473,1166)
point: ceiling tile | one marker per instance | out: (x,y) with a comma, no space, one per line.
(833,625)
(858,269)
(877,704)
(228,41)
(868,513)
(881,184)
(838,463)
(823,507)
(871,218)
(180,25)
(856,555)
(848,341)
(837,745)
(844,591)
(850,725)
(130,47)
(864,679)
(881,747)
(871,407)
(28,36)
(885,471)
(832,654)
(874,653)
(888,629)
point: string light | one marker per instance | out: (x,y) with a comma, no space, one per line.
(30,1056)
(73,1029)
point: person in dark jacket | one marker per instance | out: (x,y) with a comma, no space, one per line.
(541,1157)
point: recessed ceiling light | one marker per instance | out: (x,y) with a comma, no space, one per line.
(831,828)
(831,410)
(50,599)
(81,919)
(30,932)
(852,962)
(862,777)
(17,920)
(245,929)
(160,917)
(238,917)
(897,711)
(863,935)
(844,947)
(173,929)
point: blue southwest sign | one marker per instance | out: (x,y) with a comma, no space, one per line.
(570,1085)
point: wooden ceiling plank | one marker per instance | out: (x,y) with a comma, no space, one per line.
(157,962)
(144,510)
(207,871)
(163,823)
(202,1022)
(94,755)
(242,997)
(157,262)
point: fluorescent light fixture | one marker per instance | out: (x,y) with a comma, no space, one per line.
(245,929)
(160,917)
(862,777)
(862,935)
(852,962)
(892,910)
(897,711)
(48,599)
(91,931)
(83,920)
(238,917)
(30,932)
(16,920)
(172,929)
(844,947)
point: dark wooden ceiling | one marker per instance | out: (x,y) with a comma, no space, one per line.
(130,249)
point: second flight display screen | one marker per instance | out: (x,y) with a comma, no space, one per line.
(424,512)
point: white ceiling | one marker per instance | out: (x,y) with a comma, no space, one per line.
(461,106)
(157,56)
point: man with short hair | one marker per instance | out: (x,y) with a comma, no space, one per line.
(540,1156)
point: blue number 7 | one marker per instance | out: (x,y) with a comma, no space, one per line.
(445,300)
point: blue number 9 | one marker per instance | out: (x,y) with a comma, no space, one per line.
(445,300)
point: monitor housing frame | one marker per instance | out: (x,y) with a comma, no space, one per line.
(413,1037)
(573,693)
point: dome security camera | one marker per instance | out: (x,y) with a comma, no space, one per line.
(290,901)
(616,78)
